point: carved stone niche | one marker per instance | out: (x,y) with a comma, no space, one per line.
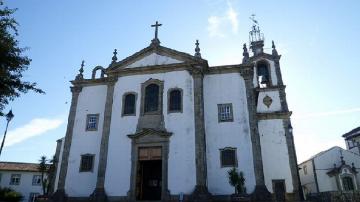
(149,138)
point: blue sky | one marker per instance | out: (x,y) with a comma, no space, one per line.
(318,41)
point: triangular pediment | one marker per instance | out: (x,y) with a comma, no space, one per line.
(150,135)
(154,56)
(152,60)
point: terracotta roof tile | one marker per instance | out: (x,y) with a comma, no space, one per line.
(18,166)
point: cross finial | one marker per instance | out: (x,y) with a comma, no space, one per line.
(114,58)
(197,50)
(156,41)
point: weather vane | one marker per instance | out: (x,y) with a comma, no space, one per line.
(252,18)
(255,34)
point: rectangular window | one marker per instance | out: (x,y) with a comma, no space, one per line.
(92,121)
(36,181)
(15,179)
(225,112)
(87,162)
(305,170)
(228,157)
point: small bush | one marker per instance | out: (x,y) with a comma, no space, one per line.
(9,195)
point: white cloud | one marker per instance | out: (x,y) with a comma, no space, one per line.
(232,17)
(214,26)
(217,25)
(34,128)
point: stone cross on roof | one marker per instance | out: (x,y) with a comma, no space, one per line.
(156,41)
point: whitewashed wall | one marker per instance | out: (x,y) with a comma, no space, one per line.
(91,101)
(325,162)
(153,59)
(25,187)
(181,160)
(274,80)
(274,153)
(307,180)
(220,89)
(275,105)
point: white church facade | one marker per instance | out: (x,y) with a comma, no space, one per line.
(163,125)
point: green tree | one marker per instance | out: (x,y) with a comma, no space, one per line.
(43,168)
(237,180)
(12,61)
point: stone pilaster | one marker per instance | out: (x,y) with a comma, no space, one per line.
(200,192)
(99,193)
(260,193)
(289,135)
(60,195)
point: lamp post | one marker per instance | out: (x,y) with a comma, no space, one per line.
(9,116)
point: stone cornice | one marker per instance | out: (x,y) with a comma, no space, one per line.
(273,115)
(93,82)
(148,131)
(270,88)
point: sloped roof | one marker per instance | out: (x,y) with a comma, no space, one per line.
(352,133)
(18,166)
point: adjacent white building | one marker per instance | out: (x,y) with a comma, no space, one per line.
(335,169)
(21,177)
(164,125)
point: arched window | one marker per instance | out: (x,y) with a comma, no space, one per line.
(151,98)
(263,75)
(348,183)
(129,104)
(175,100)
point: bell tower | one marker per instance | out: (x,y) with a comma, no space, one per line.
(274,131)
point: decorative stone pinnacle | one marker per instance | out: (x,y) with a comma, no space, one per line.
(245,54)
(274,51)
(80,76)
(114,58)
(197,49)
(342,160)
(156,40)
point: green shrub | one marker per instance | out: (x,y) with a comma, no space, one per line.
(9,195)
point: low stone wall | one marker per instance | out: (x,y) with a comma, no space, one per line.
(334,196)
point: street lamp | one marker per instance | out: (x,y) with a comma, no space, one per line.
(9,116)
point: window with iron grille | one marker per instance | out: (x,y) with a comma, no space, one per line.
(348,183)
(36,180)
(92,122)
(225,112)
(15,179)
(87,162)
(129,104)
(228,157)
(175,100)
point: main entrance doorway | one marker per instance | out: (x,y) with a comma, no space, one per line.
(149,173)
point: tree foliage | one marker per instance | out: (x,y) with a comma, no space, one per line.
(237,180)
(12,61)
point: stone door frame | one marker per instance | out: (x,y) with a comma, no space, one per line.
(149,138)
